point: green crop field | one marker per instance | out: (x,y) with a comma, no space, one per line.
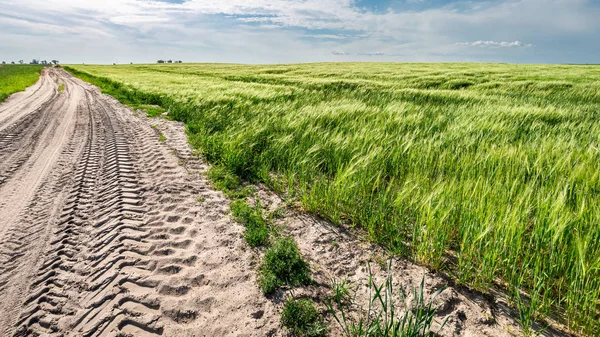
(488,172)
(14,78)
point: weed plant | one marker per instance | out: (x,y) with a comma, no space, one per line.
(257,229)
(300,318)
(382,318)
(283,266)
(341,291)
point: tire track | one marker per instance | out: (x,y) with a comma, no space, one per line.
(21,104)
(104,212)
(109,238)
(22,239)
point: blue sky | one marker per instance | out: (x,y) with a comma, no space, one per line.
(285,31)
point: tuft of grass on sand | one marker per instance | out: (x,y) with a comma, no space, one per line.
(341,291)
(301,318)
(383,317)
(224,180)
(495,163)
(283,266)
(257,229)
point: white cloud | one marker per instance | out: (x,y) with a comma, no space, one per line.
(256,30)
(495,44)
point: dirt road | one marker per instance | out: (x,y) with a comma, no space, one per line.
(103,230)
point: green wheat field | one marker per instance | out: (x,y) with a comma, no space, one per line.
(488,172)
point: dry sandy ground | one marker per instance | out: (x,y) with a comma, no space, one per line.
(101,230)
(106,231)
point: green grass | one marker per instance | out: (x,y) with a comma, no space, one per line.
(494,164)
(257,230)
(15,78)
(300,318)
(341,291)
(283,265)
(383,317)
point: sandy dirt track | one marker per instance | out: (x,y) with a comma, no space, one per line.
(101,230)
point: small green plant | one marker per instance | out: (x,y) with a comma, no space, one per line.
(229,183)
(150,110)
(162,138)
(283,265)
(300,318)
(528,306)
(383,319)
(341,291)
(278,213)
(257,229)
(61,87)
(201,200)
(223,179)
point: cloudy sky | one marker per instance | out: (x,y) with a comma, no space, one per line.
(284,31)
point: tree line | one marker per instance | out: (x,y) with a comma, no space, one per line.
(34,61)
(168,61)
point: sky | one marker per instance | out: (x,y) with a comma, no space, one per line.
(290,31)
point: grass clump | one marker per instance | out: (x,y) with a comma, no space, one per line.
(257,228)
(15,78)
(383,318)
(283,266)
(228,182)
(150,110)
(341,291)
(61,87)
(300,318)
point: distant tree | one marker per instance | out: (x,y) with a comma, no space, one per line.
(44,62)
(55,62)
(3,62)
(21,62)
(160,61)
(169,61)
(13,62)
(131,63)
(35,61)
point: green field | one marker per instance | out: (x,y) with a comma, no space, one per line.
(14,78)
(489,172)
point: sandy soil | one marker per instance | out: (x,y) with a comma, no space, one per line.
(106,231)
(101,228)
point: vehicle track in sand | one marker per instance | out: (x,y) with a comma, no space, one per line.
(101,233)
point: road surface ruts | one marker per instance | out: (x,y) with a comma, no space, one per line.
(101,231)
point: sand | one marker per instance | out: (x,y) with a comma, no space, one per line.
(101,230)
